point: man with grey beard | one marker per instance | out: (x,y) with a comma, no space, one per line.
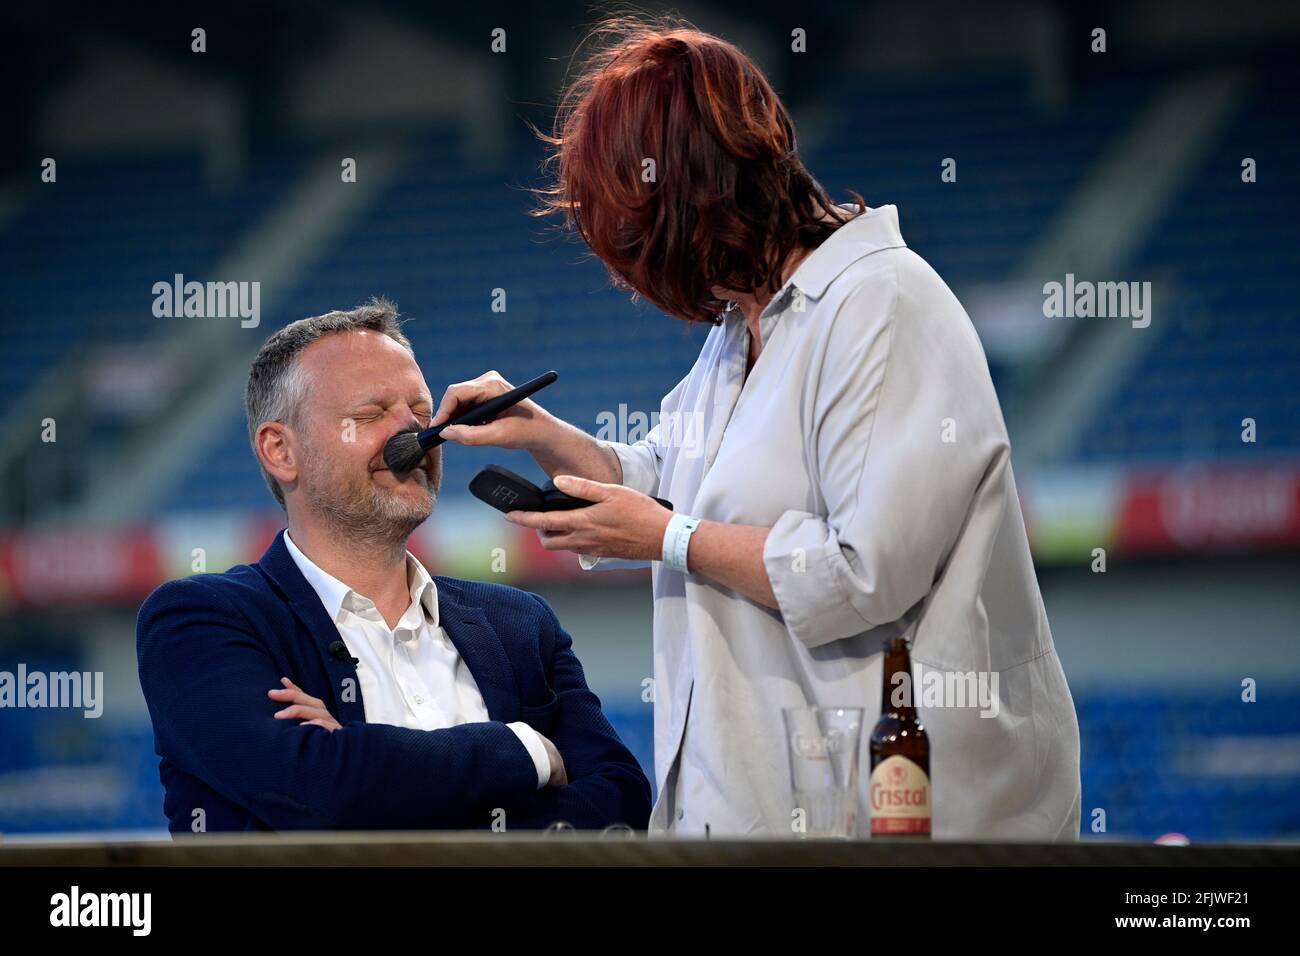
(336,684)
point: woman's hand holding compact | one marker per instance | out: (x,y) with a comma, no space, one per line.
(623,523)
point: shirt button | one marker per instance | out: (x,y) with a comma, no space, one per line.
(419,700)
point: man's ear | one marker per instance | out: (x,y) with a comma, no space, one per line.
(277,452)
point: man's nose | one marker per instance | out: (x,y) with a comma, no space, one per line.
(404,417)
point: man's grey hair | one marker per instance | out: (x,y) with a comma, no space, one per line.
(277,386)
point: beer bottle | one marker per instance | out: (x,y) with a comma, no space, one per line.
(900,753)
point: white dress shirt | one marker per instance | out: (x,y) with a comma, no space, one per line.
(412,675)
(869,439)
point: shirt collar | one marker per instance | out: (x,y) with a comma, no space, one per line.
(334,594)
(869,232)
(423,588)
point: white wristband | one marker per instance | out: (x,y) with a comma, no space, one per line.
(677,538)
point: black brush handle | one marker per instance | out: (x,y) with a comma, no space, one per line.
(485,411)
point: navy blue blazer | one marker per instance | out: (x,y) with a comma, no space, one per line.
(210,646)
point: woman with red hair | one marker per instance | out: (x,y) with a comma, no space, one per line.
(837,458)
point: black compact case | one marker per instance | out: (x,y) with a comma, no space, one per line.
(504,490)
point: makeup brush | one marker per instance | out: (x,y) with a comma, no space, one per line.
(404,450)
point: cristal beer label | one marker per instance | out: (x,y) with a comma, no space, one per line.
(900,798)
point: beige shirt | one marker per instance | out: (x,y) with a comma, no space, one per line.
(869,438)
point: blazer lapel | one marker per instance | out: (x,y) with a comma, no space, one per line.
(305,604)
(482,651)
